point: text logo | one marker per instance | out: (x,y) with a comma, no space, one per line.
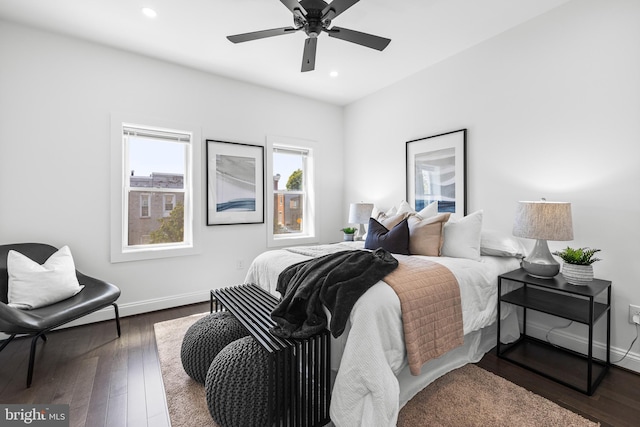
(34,415)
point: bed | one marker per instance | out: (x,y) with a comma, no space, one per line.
(371,376)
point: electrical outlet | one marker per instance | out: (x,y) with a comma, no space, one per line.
(634,310)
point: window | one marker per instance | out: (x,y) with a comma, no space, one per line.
(145,200)
(158,168)
(154,179)
(291,205)
(169,202)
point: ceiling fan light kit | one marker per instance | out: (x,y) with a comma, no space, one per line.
(313,17)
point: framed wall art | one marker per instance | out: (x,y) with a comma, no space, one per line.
(436,171)
(235,183)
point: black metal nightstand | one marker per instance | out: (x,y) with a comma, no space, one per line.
(558,298)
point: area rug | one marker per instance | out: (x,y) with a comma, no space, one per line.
(185,397)
(467,397)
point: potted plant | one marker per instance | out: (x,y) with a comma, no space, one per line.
(577,268)
(349,233)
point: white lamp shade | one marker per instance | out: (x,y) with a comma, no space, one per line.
(359,213)
(543,220)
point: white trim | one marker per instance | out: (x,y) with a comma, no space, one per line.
(193,198)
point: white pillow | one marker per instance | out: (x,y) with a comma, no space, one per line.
(462,237)
(495,243)
(405,207)
(32,285)
(428,211)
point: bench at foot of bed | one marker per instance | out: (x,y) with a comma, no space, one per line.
(299,386)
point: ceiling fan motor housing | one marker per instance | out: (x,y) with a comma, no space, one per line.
(314,23)
(313,4)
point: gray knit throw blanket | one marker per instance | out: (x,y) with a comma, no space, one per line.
(336,281)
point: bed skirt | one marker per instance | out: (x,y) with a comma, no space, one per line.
(476,345)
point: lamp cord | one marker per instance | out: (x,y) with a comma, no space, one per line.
(630,346)
(553,329)
(612,362)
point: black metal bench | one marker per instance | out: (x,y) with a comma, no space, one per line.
(300,369)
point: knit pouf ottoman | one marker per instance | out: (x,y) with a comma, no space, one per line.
(237,386)
(204,340)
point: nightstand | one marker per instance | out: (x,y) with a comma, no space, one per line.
(582,372)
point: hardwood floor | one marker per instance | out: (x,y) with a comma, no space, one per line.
(106,380)
(616,401)
(110,381)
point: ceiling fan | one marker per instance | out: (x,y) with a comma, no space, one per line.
(314,17)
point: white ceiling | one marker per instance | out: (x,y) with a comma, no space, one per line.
(193,33)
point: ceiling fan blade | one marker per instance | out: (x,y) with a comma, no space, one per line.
(364,39)
(295,7)
(309,55)
(239,38)
(336,7)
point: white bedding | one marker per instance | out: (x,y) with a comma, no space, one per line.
(370,356)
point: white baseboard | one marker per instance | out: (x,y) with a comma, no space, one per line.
(580,344)
(138,307)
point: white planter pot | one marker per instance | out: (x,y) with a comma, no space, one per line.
(579,275)
(348,237)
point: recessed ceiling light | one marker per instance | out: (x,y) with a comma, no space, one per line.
(149,13)
(333,74)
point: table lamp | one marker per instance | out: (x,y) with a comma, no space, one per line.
(359,213)
(542,220)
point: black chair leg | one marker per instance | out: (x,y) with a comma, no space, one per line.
(115,308)
(34,342)
(32,358)
(7,341)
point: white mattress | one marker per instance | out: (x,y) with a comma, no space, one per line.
(372,379)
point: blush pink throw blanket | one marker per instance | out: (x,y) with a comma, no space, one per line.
(431,308)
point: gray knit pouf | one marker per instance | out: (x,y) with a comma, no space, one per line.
(204,340)
(237,386)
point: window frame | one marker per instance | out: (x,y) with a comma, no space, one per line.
(120,250)
(310,234)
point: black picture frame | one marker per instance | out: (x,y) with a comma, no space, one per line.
(436,171)
(235,183)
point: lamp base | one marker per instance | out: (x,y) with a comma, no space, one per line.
(540,263)
(360,233)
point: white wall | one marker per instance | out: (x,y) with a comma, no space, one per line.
(56,97)
(552,109)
